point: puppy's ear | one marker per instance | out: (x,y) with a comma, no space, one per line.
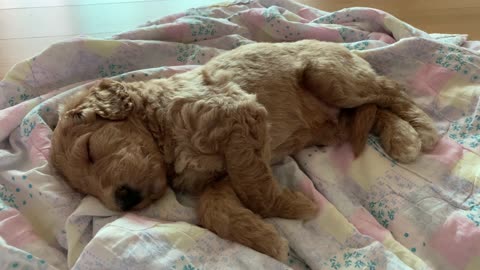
(110,100)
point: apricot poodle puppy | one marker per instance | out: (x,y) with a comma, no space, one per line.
(215,130)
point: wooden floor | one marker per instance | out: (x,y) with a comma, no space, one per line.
(28,26)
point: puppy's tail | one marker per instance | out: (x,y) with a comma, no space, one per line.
(358,123)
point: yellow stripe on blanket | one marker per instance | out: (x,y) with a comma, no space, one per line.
(403,253)
(474,264)
(334,223)
(18,72)
(103,48)
(457,93)
(366,169)
(468,168)
(394,25)
(181,235)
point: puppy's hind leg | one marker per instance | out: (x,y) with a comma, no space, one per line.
(355,83)
(221,211)
(398,138)
(407,110)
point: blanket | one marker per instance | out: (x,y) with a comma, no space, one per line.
(374,213)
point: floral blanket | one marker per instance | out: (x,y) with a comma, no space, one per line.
(375,213)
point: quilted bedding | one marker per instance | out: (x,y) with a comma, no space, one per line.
(375,213)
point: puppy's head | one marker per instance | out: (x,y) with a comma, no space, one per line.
(117,161)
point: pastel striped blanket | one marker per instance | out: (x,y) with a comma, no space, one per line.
(375,214)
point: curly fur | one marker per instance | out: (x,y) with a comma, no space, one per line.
(215,130)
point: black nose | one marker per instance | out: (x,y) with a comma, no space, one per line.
(127,197)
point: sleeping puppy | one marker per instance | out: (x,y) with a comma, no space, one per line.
(215,130)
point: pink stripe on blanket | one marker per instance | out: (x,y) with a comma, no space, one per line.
(175,31)
(309,14)
(458,241)
(430,79)
(15,229)
(381,37)
(447,152)
(321,33)
(39,138)
(342,157)
(366,224)
(254,16)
